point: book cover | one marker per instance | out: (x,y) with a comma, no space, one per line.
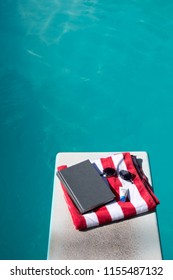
(85,186)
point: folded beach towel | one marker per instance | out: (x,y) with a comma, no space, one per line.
(140,198)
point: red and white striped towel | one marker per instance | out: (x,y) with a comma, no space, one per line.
(141,198)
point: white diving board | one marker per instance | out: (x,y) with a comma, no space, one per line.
(133,239)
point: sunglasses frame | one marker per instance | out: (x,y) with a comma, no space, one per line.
(109,172)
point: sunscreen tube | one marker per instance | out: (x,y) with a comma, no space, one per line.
(123,194)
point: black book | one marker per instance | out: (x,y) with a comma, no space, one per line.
(85,186)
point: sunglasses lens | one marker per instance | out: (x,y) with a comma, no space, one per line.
(126,175)
(108,172)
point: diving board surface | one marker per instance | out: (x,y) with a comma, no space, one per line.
(133,239)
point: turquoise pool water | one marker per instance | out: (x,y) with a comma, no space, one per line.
(80,76)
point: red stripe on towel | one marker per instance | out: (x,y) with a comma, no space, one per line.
(103,215)
(127,207)
(138,182)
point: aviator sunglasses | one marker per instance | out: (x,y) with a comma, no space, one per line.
(111,172)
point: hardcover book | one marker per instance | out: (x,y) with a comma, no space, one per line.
(85,186)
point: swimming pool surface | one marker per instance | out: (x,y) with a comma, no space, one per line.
(80,76)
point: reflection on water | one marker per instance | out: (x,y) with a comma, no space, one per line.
(51,20)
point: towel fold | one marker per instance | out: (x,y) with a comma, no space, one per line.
(140,199)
